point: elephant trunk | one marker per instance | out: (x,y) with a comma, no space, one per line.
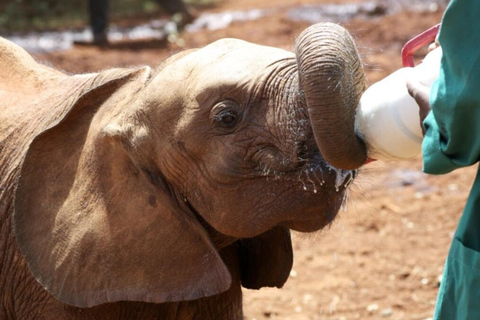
(331,78)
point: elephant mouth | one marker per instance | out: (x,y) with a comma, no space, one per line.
(303,196)
(312,172)
(322,190)
(311,195)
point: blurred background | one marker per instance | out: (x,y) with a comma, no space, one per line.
(383,256)
(27,15)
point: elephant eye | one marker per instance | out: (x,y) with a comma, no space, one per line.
(228,118)
(225,114)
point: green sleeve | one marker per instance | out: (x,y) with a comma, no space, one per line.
(452,137)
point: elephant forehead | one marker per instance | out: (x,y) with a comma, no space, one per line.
(234,62)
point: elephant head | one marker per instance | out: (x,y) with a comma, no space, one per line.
(143,175)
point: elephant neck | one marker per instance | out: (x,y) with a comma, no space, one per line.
(218,239)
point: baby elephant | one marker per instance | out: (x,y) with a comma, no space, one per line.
(157,193)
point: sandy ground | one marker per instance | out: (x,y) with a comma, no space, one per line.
(383,256)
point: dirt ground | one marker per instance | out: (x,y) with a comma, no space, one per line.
(383,256)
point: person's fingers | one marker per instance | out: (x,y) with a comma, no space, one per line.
(421,94)
(433,46)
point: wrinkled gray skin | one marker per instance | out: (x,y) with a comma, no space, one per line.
(157,193)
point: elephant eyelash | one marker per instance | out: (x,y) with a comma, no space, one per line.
(221,116)
(227,118)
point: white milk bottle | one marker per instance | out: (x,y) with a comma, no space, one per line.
(388,117)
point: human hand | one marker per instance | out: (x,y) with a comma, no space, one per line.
(421,94)
(433,46)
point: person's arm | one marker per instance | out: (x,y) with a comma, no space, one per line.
(452,128)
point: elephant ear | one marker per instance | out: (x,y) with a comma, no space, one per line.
(95,226)
(266,260)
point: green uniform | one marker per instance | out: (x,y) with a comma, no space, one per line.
(452,140)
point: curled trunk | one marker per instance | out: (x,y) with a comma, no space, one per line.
(332,80)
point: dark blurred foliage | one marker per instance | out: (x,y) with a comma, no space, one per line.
(22,15)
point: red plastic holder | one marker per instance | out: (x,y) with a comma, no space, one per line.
(424,38)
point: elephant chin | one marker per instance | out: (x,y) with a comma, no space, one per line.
(310,225)
(316,218)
